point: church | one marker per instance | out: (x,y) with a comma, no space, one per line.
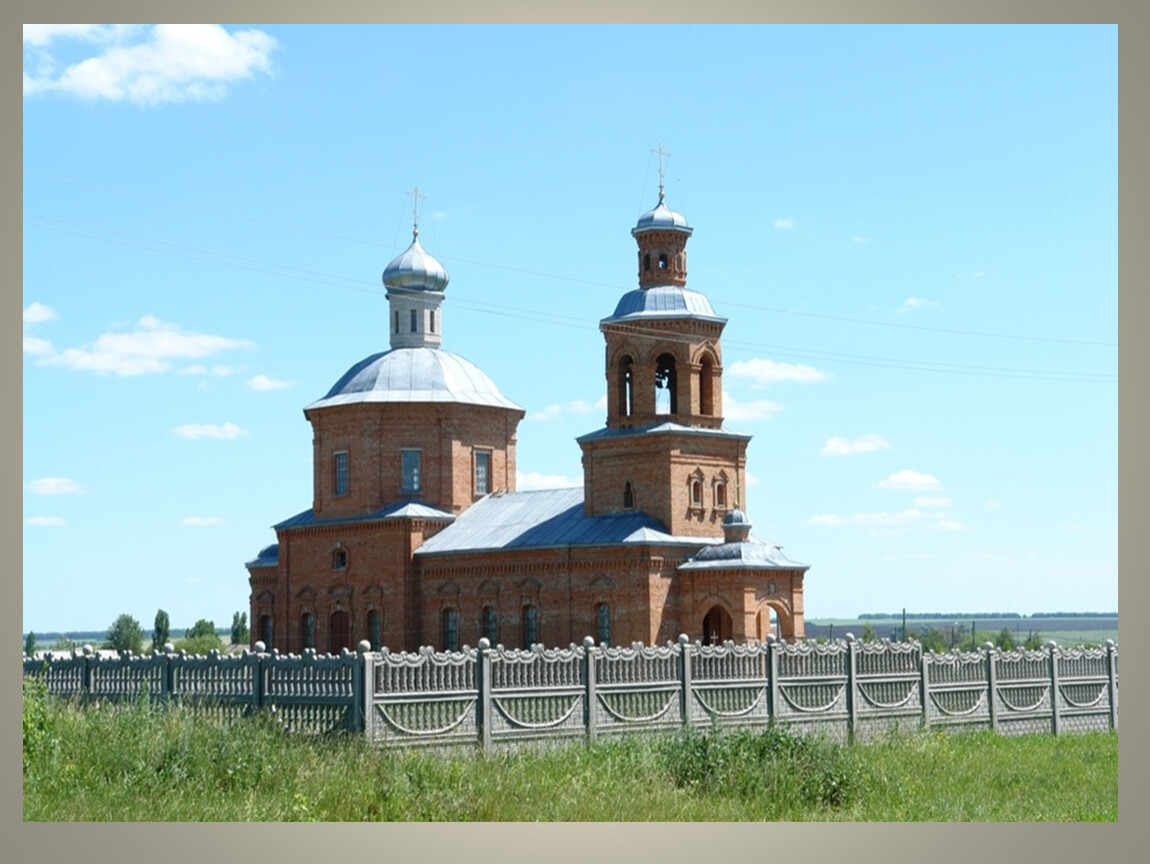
(417,536)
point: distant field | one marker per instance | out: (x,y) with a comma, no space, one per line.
(1064,631)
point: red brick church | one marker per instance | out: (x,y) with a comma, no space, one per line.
(416,535)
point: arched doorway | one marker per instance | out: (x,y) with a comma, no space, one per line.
(716,626)
(339,632)
(768,623)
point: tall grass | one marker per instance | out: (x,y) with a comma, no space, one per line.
(149,762)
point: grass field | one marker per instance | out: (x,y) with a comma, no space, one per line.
(143,762)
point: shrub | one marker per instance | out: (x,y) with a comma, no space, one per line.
(37,728)
(240,632)
(30,644)
(161,630)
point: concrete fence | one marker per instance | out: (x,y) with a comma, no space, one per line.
(495,697)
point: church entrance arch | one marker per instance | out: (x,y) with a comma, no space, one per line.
(717,626)
(339,630)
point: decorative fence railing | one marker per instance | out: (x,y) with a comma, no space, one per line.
(493,696)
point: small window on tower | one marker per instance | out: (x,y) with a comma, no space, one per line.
(339,559)
(482,472)
(396,320)
(340,486)
(409,466)
(414,321)
(628,496)
(432,328)
(696,493)
(721,496)
(662,260)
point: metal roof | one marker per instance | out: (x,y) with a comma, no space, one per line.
(415,375)
(662,218)
(545,518)
(663,301)
(751,554)
(410,509)
(269,557)
(414,270)
(664,428)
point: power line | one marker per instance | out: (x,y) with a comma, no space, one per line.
(565,278)
(318,277)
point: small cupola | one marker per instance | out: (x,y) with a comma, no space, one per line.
(736,527)
(662,237)
(415,282)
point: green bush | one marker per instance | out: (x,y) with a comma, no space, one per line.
(161,630)
(199,644)
(37,726)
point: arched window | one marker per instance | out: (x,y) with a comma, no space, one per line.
(720,495)
(666,389)
(266,631)
(450,625)
(628,496)
(647,261)
(707,387)
(603,619)
(307,630)
(662,260)
(626,387)
(339,631)
(490,624)
(339,559)
(696,492)
(530,626)
(375,629)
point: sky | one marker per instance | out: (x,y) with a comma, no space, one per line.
(912,232)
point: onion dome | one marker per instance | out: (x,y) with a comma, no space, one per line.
(415,270)
(736,526)
(661,218)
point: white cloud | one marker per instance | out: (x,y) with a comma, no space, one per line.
(209,430)
(148,66)
(202,521)
(578,406)
(525,482)
(784,224)
(915,303)
(932,502)
(978,274)
(911,481)
(263,382)
(764,371)
(38,347)
(752,480)
(837,446)
(45,521)
(150,349)
(858,239)
(54,486)
(902,518)
(743,412)
(949,525)
(37,312)
(993,504)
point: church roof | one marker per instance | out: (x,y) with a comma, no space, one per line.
(663,301)
(400,510)
(750,554)
(667,427)
(415,375)
(415,270)
(662,218)
(546,518)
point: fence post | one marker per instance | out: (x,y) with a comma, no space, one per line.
(169,685)
(852,673)
(86,680)
(924,687)
(991,685)
(1055,720)
(685,678)
(257,662)
(362,684)
(483,705)
(1112,676)
(589,697)
(772,678)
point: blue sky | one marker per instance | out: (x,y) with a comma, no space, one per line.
(912,232)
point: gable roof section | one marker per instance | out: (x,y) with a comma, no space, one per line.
(542,519)
(400,510)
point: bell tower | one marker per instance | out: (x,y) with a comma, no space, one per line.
(664,450)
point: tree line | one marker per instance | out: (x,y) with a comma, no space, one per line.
(127,634)
(960,616)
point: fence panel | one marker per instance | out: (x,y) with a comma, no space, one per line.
(636,688)
(887,681)
(812,688)
(539,693)
(424,697)
(729,685)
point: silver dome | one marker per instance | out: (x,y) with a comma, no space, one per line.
(415,270)
(415,375)
(663,301)
(662,218)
